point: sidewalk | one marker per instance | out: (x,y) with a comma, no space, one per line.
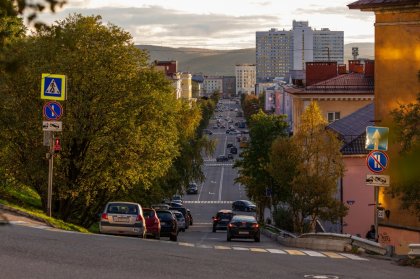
(8,214)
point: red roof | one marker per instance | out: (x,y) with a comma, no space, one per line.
(366,4)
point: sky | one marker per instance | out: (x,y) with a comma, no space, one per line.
(219,24)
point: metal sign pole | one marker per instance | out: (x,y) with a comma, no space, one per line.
(50,174)
(376,188)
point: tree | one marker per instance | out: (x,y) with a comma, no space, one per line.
(120,119)
(407,177)
(250,105)
(264,129)
(306,169)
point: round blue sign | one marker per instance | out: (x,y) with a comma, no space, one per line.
(53,110)
(377,161)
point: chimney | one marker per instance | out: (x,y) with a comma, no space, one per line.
(369,68)
(320,71)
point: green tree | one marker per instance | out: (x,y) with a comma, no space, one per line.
(406,174)
(264,129)
(120,118)
(306,169)
(250,105)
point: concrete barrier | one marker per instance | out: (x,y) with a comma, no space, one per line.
(414,250)
(368,245)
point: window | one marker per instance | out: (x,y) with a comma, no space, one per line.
(333,116)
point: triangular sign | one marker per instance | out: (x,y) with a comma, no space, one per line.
(52,88)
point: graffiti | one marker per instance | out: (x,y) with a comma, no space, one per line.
(384,238)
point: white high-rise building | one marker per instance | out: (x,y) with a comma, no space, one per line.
(279,52)
(245,78)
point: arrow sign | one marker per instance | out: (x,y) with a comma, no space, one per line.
(377,138)
(53,110)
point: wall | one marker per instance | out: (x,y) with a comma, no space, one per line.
(360,215)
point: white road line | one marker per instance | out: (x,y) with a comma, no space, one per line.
(240,248)
(186,244)
(313,253)
(221,184)
(353,257)
(276,251)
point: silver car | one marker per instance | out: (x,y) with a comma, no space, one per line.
(123,218)
(180,219)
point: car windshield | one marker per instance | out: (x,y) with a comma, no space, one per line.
(164,215)
(121,208)
(147,213)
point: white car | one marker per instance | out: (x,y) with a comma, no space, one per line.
(180,220)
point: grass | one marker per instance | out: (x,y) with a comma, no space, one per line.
(27,200)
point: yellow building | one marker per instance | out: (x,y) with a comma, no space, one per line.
(186,86)
(397,59)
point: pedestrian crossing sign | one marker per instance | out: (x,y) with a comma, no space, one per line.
(53,87)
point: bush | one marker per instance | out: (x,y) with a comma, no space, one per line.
(283,219)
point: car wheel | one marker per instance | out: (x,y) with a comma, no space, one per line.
(257,239)
(157,236)
(174,237)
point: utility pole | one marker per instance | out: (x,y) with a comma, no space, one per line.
(50,156)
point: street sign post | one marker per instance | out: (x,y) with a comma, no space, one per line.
(53,87)
(53,110)
(377,138)
(377,161)
(377,180)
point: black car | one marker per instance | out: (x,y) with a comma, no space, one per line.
(234,150)
(242,226)
(230,156)
(243,205)
(229,145)
(192,188)
(168,224)
(184,212)
(222,219)
(222,158)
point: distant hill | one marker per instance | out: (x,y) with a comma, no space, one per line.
(222,62)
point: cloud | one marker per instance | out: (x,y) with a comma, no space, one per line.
(153,24)
(339,10)
(267,3)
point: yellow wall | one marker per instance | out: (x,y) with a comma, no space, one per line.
(397,63)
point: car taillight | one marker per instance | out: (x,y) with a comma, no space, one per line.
(255,225)
(139,218)
(231,225)
(104,216)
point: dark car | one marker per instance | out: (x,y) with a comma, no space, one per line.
(234,150)
(184,212)
(242,226)
(222,158)
(192,188)
(230,156)
(222,219)
(168,224)
(243,205)
(152,222)
(229,145)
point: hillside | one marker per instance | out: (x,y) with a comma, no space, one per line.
(222,62)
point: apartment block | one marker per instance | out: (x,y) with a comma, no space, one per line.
(245,79)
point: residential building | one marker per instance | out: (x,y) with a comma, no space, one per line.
(352,189)
(186,86)
(245,75)
(337,95)
(212,84)
(397,49)
(197,85)
(229,86)
(170,69)
(280,53)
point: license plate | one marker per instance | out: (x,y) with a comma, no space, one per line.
(162,223)
(243,232)
(121,219)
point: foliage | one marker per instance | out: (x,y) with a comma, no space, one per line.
(306,168)
(407,177)
(264,129)
(120,123)
(283,218)
(250,105)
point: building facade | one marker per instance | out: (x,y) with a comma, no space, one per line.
(186,86)
(279,52)
(245,75)
(229,86)
(212,84)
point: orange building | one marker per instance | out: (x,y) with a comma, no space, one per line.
(397,59)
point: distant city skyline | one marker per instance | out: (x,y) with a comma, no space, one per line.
(218,24)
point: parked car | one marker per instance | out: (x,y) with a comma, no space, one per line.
(242,226)
(175,204)
(234,150)
(222,158)
(180,219)
(190,216)
(229,145)
(177,199)
(222,219)
(243,205)
(160,206)
(123,218)
(215,127)
(230,156)
(192,188)
(168,224)
(207,132)
(152,222)
(184,212)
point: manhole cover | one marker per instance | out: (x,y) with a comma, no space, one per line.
(321,276)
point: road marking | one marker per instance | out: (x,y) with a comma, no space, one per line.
(186,244)
(313,253)
(333,255)
(222,248)
(218,165)
(204,246)
(276,251)
(221,184)
(258,250)
(295,252)
(353,257)
(240,248)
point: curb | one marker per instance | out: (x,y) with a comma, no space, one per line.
(26,214)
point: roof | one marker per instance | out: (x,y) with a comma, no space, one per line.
(352,129)
(366,4)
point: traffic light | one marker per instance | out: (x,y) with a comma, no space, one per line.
(57,145)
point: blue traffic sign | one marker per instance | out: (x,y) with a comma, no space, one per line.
(377,138)
(53,87)
(53,110)
(377,161)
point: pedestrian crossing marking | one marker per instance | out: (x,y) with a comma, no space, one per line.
(260,250)
(240,248)
(313,253)
(222,248)
(276,251)
(334,255)
(353,257)
(295,252)
(204,246)
(186,244)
